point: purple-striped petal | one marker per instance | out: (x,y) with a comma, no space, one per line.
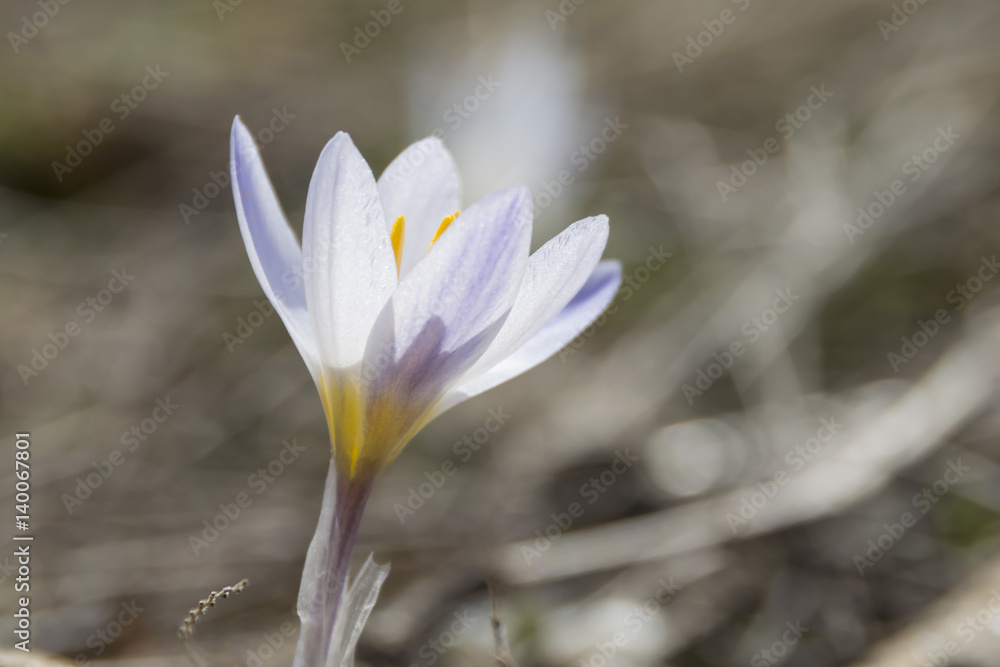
(555,274)
(585,307)
(447,311)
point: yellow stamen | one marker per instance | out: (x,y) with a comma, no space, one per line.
(444,225)
(396,236)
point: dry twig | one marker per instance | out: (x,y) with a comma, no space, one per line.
(187,627)
(502,647)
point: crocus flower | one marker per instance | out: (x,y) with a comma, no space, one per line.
(402,306)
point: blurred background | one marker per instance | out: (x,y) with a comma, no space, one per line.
(778,446)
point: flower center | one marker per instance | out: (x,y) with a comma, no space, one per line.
(398,236)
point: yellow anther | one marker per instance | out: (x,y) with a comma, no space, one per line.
(444,225)
(397,236)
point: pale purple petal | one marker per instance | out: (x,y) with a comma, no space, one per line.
(449,308)
(585,307)
(555,274)
(273,250)
(349,264)
(423,185)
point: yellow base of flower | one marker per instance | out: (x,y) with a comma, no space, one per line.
(367,437)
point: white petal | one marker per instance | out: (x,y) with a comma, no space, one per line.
(591,301)
(271,244)
(423,185)
(555,274)
(349,264)
(446,312)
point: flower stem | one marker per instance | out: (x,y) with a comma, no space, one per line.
(328,562)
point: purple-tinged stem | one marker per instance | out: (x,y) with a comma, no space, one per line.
(328,562)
